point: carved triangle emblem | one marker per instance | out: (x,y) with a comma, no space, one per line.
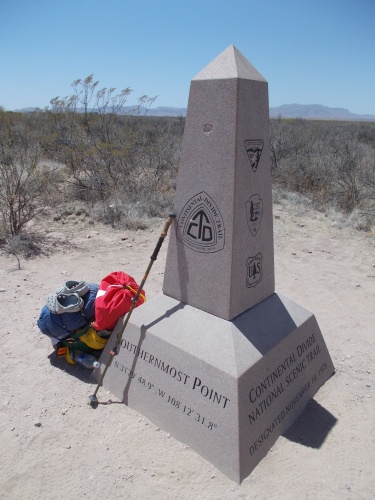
(254,150)
(200,225)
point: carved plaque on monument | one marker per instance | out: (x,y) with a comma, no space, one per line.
(220,360)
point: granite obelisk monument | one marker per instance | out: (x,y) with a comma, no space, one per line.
(220,360)
(221,257)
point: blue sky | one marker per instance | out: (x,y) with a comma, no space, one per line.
(309,51)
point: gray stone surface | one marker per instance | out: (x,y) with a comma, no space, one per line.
(220,360)
(220,254)
(227,389)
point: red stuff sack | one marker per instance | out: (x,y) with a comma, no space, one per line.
(114,299)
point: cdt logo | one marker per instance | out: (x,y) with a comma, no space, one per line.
(254,270)
(200,225)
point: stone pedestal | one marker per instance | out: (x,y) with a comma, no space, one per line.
(227,389)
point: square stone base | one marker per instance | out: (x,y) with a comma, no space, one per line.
(227,389)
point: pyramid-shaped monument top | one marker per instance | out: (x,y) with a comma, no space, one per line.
(230,64)
(220,256)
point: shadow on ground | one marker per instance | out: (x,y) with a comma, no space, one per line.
(78,371)
(312,426)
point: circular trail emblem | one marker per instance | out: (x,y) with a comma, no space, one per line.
(200,225)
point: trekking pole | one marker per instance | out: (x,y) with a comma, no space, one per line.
(92,398)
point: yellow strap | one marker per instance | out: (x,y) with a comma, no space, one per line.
(135,291)
(69,358)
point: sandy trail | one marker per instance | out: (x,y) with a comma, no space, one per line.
(54,446)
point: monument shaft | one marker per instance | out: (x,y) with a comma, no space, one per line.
(220,258)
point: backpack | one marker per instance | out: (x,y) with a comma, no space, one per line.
(80,317)
(66,319)
(85,340)
(58,326)
(114,299)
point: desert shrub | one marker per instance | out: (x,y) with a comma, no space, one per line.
(299,203)
(24,182)
(133,213)
(330,162)
(85,155)
(99,145)
(72,212)
(121,214)
(83,151)
(26,245)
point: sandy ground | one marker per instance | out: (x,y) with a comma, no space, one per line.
(55,446)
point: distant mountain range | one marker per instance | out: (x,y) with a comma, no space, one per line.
(316,112)
(306,111)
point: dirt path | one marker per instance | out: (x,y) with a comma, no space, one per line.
(54,446)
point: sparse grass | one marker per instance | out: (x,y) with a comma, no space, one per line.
(301,205)
(299,202)
(29,244)
(128,177)
(355,220)
(72,212)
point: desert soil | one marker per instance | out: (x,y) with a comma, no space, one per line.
(55,446)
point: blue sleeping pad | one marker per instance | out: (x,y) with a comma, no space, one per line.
(60,326)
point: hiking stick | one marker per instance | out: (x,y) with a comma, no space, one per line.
(92,398)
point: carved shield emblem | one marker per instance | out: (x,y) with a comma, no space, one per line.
(254,270)
(200,225)
(254,211)
(254,148)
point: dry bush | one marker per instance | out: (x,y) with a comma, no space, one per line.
(24,182)
(299,203)
(332,163)
(97,164)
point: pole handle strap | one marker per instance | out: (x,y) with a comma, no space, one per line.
(167,225)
